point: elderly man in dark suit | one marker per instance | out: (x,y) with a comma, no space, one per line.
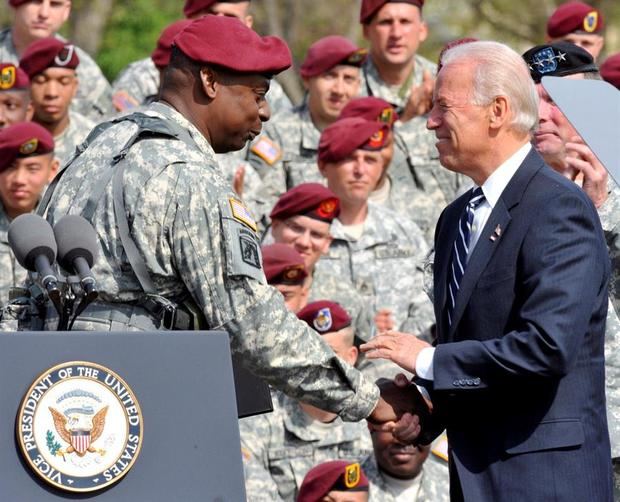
(520,292)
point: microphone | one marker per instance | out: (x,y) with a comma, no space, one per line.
(77,250)
(32,240)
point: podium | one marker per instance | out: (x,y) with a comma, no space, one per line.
(183,382)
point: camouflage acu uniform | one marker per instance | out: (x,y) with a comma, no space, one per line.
(11,273)
(75,133)
(384,265)
(229,164)
(135,83)
(279,448)
(415,164)
(434,482)
(94,94)
(196,239)
(295,141)
(609,214)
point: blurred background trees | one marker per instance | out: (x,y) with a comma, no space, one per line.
(118,32)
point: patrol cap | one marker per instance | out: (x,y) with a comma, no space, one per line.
(161,54)
(325,316)
(558,59)
(47,53)
(370,108)
(193,7)
(328,52)
(337,475)
(13,78)
(610,70)
(23,139)
(574,17)
(370,7)
(307,199)
(450,45)
(344,136)
(227,42)
(283,265)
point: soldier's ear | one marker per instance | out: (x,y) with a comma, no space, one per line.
(209,82)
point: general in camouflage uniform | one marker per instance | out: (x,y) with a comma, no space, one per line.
(281,447)
(186,235)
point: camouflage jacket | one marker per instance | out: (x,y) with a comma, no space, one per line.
(609,214)
(94,94)
(134,84)
(384,266)
(197,239)
(612,378)
(434,482)
(11,273)
(279,448)
(75,133)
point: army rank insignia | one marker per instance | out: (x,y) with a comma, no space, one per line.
(80,427)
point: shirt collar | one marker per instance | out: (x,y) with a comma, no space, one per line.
(497,182)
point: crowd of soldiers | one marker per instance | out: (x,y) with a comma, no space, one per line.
(335,201)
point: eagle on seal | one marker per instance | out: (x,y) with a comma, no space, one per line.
(79,438)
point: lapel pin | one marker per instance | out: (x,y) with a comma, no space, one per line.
(496,233)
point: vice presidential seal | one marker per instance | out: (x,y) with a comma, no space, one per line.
(80,426)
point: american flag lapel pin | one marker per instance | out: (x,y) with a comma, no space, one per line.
(496,233)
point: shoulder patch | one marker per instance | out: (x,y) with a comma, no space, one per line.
(123,101)
(241,213)
(267,150)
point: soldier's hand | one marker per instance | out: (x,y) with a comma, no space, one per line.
(583,161)
(384,320)
(400,348)
(238,181)
(420,99)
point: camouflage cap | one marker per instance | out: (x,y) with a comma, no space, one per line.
(13,78)
(307,199)
(23,139)
(161,54)
(370,7)
(343,137)
(283,265)
(610,70)
(337,475)
(370,108)
(328,52)
(325,316)
(227,42)
(572,17)
(48,53)
(558,59)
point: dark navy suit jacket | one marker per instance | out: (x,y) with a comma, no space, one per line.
(519,376)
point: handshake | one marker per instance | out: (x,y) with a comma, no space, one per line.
(403,411)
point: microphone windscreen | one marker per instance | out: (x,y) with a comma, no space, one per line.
(76,238)
(29,237)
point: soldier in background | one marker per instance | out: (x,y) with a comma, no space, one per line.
(37,19)
(279,448)
(27,165)
(285,270)
(15,104)
(191,257)
(610,70)
(52,68)
(371,242)
(285,154)
(578,23)
(564,150)
(335,481)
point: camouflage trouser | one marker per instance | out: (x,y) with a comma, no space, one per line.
(616,465)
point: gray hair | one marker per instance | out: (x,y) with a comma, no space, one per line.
(499,71)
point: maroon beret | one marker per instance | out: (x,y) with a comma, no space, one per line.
(337,475)
(13,78)
(17,3)
(47,53)
(325,316)
(344,136)
(23,139)
(370,7)
(328,52)
(450,45)
(370,108)
(227,42)
(283,265)
(572,17)
(307,199)
(610,70)
(161,54)
(193,7)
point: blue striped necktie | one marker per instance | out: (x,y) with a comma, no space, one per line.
(461,249)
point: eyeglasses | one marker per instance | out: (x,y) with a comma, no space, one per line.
(299,231)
